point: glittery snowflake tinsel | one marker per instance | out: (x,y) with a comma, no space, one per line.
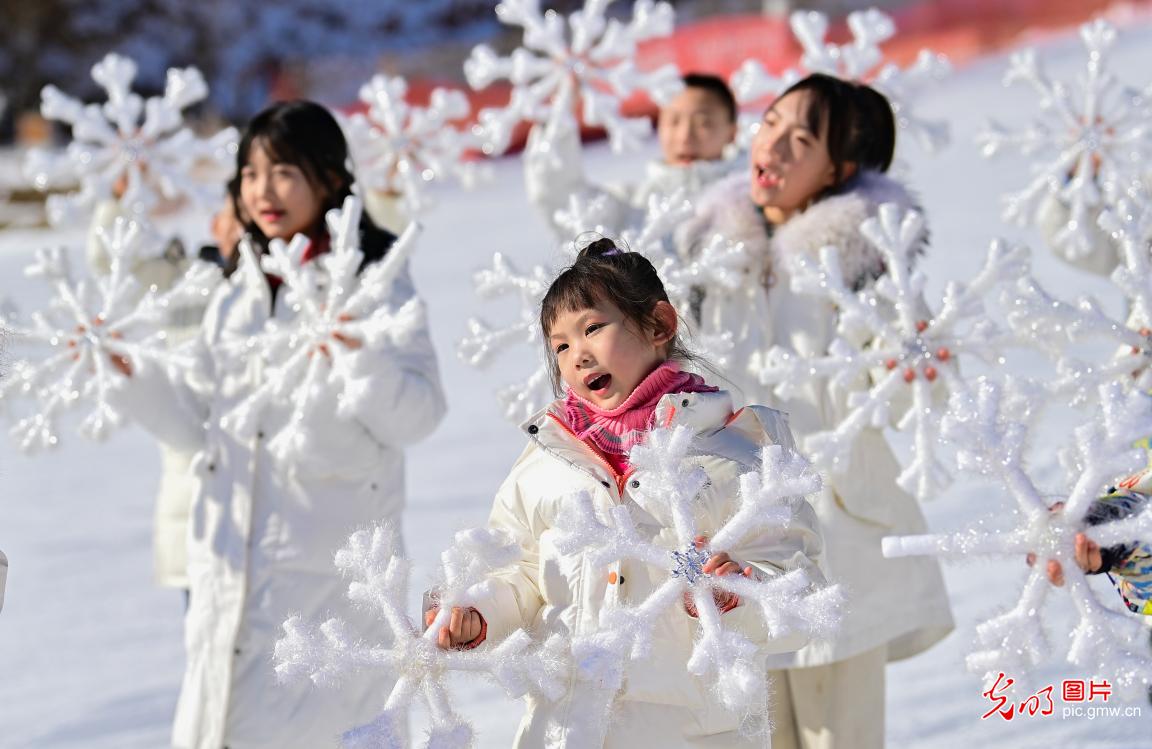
(152,158)
(991,441)
(379,581)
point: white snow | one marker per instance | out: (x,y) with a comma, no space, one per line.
(90,650)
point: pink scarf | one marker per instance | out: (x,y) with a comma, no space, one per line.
(615,431)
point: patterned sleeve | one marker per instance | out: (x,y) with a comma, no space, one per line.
(1129,566)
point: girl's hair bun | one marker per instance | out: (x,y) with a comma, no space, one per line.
(600,248)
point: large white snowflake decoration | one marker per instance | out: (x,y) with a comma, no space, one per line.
(860,60)
(338,312)
(1052,324)
(789,603)
(87,324)
(483,344)
(401,148)
(1091,140)
(891,348)
(721,265)
(143,144)
(379,574)
(588,68)
(991,442)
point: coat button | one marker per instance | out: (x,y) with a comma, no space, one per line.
(211,466)
(685,403)
(260,434)
(635,484)
(235,651)
(605,484)
(374,486)
(533,429)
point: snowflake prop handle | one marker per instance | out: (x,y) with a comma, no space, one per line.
(484,343)
(379,581)
(860,60)
(401,148)
(91,331)
(787,603)
(138,145)
(886,334)
(340,312)
(587,68)
(1091,140)
(991,443)
(1053,325)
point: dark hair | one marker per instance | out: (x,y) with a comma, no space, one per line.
(605,272)
(861,125)
(716,86)
(306,135)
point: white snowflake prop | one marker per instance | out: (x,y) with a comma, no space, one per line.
(483,343)
(379,581)
(338,312)
(401,148)
(860,60)
(587,68)
(991,443)
(87,325)
(141,143)
(1091,140)
(788,603)
(1055,325)
(887,336)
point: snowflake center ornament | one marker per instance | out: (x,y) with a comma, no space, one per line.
(689,564)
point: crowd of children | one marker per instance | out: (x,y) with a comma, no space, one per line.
(251,538)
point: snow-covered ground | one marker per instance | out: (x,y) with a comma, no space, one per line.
(90,650)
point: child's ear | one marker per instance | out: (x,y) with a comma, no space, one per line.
(667,321)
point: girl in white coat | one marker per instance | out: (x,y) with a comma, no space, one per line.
(612,340)
(262,533)
(817,170)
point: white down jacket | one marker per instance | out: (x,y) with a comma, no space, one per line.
(553,593)
(263,535)
(901,602)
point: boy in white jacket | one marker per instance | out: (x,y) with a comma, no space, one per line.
(696,131)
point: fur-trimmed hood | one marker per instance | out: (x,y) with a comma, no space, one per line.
(727,209)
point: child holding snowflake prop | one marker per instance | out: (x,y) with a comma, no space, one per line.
(265,522)
(612,338)
(992,442)
(818,169)
(1128,564)
(695,130)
